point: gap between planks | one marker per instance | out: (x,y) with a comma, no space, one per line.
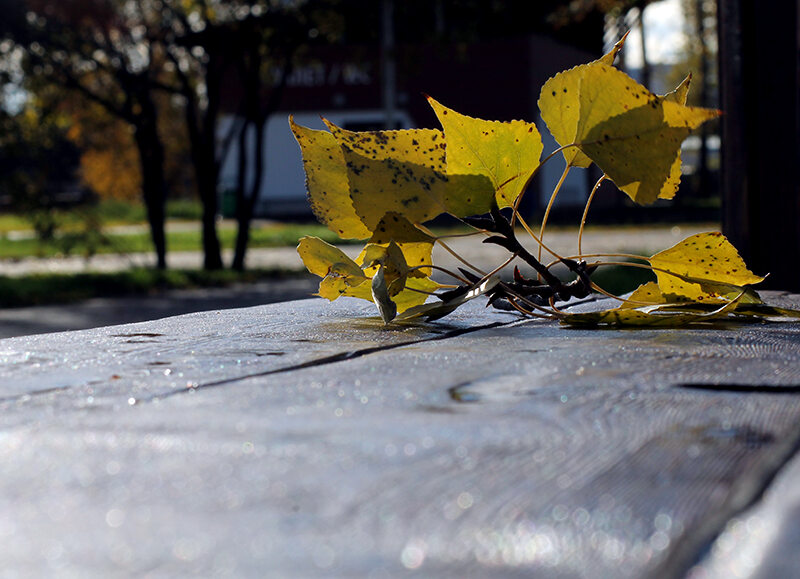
(745,492)
(332,359)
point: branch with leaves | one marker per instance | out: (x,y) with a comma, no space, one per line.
(383,186)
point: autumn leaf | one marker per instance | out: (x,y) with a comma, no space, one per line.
(505,152)
(341,276)
(404,172)
(703,267)
(679,95)
(560,107)
(646,294)
(416,245)
(326,182)
(652,317)
(633,135)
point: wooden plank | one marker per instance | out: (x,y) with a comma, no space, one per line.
(761,542)
(507,451)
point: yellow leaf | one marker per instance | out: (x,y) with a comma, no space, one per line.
(560,109)
(704,267)
(681,92)
(341,275)
(404,172)
(646,294)
(415,245)
(390,260)
(611,55)
(679,95)
(415,293)
(505,152)
(633,135)
(647,317)
(326,182)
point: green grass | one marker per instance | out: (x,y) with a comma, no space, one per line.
(43,289)
(277,235)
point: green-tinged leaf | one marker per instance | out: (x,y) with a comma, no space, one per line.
(404,172)
(633,135)
(326,182)
(649,316)
(767,311)
(704,267)
(505,152)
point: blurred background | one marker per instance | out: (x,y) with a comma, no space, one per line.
(144,144)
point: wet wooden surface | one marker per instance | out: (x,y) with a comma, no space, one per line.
(306,440)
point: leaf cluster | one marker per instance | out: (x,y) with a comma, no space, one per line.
(383,186)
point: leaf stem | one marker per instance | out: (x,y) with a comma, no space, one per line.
(537,240)
(524,189)
(442,269)
(586,213)
(547,314)
(626,255)
(550,206)
(449,250)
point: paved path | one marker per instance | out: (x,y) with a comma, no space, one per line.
(99,312)
(637,240)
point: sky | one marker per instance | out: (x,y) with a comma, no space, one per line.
(663,23)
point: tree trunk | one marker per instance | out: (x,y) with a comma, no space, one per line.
(207,188)
(245,204)
(154,189)
(206,169)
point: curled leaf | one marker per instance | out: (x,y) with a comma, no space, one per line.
(380,295)
(435,310)
(415,245)
(649,316)
(340,274)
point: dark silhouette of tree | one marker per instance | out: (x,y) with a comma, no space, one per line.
(99,49)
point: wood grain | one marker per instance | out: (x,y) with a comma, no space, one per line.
(313,443)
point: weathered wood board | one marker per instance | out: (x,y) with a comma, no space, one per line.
(304,439)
